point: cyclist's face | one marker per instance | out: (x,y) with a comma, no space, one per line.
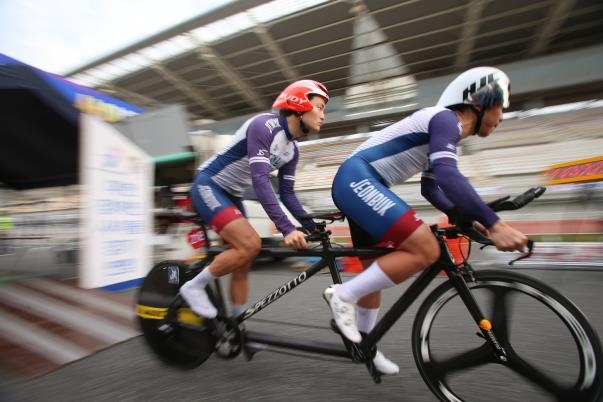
(491,120)
(314,119)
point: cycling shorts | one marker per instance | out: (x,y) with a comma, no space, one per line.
(215,206)
(376,215)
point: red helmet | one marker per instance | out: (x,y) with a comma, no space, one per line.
(295,96)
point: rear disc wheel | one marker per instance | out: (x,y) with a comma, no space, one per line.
(187,340)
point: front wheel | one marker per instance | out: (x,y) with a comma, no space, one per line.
(553,353)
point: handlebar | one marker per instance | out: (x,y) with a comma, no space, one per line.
(504,204)
(465,223)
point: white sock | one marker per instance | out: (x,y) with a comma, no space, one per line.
(203,278)
(370,280)
(237,309)
(366,318)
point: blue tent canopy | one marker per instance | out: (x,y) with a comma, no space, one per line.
(39,114)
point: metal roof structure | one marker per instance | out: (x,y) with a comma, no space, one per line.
(234,60)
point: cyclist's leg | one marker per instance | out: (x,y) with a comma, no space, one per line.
(239,289)
(362,239)
(412,255)
(244,244)
(236,259)
(368,309)
(225,218)
(385,217)
(239,279)
(416,249)
(367,313)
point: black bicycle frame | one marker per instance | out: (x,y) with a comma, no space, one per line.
(328,255)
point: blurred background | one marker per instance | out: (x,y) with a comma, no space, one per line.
(180,93)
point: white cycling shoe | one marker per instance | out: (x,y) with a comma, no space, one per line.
(344,314)
(384,365)
(198,300)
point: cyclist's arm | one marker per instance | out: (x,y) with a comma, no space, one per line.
(434,194)
(444,135)
(259,138)
(286,182)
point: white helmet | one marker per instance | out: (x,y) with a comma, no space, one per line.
(479,86)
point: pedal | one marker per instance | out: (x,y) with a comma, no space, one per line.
(370,355)
(358,355)
(251,348)
(348,344)
(248,347)
(354,349)
(375,374)
(228,347)
(249,352)
(230,340)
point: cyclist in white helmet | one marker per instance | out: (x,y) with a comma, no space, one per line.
(426,141)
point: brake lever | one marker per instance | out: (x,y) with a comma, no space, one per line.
(525,255)
(475,235)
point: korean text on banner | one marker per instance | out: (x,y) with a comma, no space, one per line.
(116,214)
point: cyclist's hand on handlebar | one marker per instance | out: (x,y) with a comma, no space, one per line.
(505,238)
(296,239)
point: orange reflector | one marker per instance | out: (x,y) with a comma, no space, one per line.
(486,325)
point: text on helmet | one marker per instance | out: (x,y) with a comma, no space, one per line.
(477,85)
(294,99)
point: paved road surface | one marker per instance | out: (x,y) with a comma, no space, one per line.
(128,372)
(48,322)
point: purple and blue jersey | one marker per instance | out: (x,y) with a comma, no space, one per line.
(424,142)
(262,144)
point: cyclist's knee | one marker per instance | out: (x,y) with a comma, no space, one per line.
(424,246)
(432,252)
(432,256)
(250,247)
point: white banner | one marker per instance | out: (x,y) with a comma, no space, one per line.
(116,179)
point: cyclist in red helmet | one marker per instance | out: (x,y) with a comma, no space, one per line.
(264,143)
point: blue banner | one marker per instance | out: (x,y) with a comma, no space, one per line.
(83,98)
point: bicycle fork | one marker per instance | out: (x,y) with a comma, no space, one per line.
(483,323)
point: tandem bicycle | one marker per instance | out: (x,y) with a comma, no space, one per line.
(448,350)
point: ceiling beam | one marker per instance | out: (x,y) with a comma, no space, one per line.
(228,73)
(196,94)
(559,11)
(227,10)
(475,9)
(279,57)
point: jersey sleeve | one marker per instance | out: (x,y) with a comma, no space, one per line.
(444,130)
(286,180)
(433,193)
(259,138)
